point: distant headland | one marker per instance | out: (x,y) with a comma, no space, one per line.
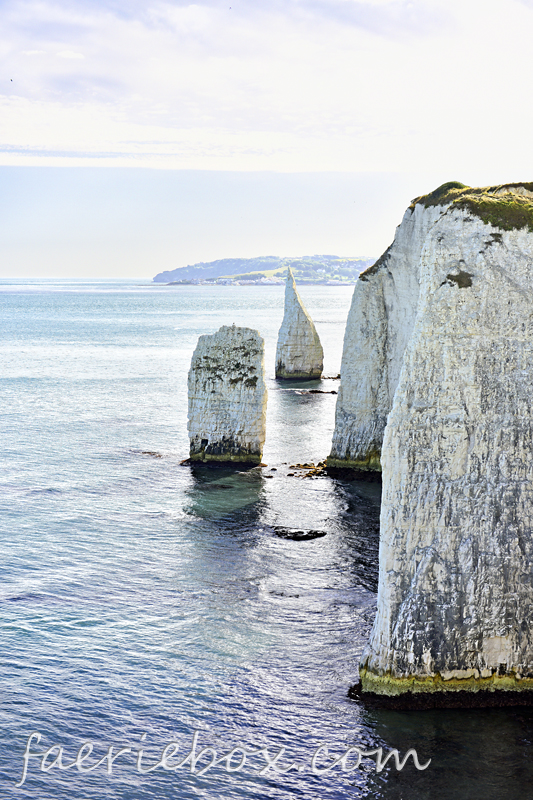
(324,269)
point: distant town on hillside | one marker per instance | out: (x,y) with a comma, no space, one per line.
(325,269)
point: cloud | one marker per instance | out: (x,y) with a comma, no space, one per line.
(69,54)
(383,17)
(277,84)
(393,18)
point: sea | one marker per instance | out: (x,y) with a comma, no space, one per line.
(162,635)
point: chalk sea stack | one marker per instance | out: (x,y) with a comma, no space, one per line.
(299,354)
(455,596)
(227,397)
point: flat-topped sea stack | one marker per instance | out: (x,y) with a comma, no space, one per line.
(299,354)
(228,397)
(449,310)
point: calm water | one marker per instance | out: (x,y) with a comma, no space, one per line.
(139,596)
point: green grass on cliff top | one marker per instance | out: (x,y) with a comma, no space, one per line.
(499,206)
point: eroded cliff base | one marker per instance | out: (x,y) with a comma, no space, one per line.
(421,701)
(370,463)
(349,473)
(283,375)
(222,451)
(226,460)
(432,691)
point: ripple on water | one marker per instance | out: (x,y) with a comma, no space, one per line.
(141,596)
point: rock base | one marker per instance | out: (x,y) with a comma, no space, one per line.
(350,474)
(283,375)
(372,463)
(225,458)
(421,701)
(433,691)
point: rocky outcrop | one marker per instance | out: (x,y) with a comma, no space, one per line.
(299,354)
(455,596)
(227,397)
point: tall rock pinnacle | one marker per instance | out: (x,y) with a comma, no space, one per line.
(227,397)
(299,354)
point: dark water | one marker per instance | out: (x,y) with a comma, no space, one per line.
(141,598)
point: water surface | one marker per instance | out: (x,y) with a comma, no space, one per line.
(140,596)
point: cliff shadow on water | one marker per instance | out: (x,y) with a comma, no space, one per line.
(358,501)
(481,754)
(220,489)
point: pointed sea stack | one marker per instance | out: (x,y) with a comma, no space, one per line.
(227,397)
(454,624)
(299,354)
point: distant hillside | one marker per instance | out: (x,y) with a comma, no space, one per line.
(307,269)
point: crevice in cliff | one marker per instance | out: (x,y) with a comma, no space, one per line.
(462,279)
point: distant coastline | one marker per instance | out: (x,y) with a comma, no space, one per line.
(269,270)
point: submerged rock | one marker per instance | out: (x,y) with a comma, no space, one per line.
(299,354)
(298,535)
(456,551)
(227,397)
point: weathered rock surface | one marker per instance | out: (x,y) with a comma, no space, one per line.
(227,397)
(299,353)
(379,325)
(455,600)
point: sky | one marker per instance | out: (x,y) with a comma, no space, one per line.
(141,135)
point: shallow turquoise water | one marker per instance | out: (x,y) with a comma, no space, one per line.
(140,596)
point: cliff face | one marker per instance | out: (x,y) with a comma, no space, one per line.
(384,309)
(379,325)
(455,594)
(227,397)
(299,353)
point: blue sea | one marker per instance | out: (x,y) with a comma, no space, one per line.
(159,638)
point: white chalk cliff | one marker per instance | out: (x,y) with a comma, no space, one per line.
(379,325)
(455,599)
(227,396)
(299,353)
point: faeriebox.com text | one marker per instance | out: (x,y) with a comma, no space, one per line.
(199,761)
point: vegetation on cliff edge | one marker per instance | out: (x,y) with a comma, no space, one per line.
(500,206)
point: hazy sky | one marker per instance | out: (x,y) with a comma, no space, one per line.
(137,135)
